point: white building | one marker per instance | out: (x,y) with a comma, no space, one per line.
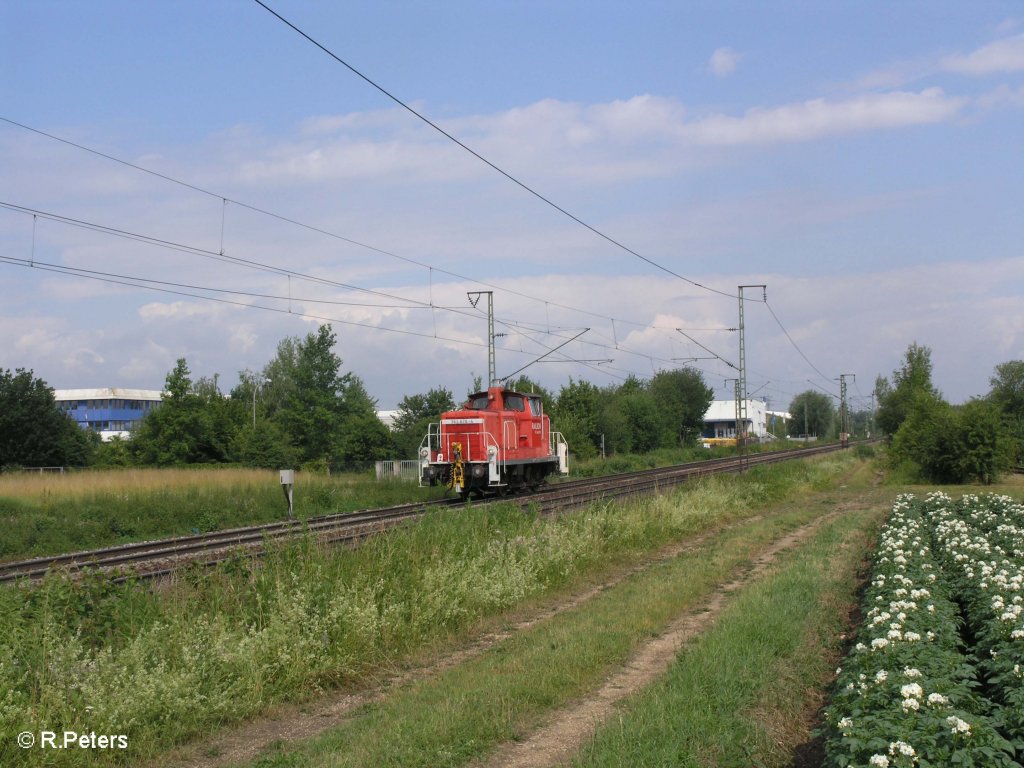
(760,423)
(111,412)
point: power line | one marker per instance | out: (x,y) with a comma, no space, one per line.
(236,261)
(797,348)
(161,288)
(308,227)
(483,159)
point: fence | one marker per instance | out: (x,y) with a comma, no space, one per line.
(397,470)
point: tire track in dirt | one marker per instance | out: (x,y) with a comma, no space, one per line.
(296,722)
(561,738)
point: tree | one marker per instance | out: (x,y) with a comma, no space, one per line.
(985,446)
(811,413)
(629,418)
(926,438)
(415,413)
(1007,395)
(683,399)
(362,435)
(187,428)
(265,446)
(950,444)
(575,414)
(1008,388)
(913,377)
(328,416)
(34,431)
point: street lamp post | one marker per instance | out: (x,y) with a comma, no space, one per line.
(255,386)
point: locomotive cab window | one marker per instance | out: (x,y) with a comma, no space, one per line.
(536,407)
(515,402)
(478,403)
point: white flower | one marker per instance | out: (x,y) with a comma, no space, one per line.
(879,642)
(937,699)
(912,691)
(956,725)
(902,747)
(910,704)
(881,676)
(880,760)
(846,723)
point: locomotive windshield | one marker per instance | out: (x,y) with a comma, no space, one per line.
(536,407)
(478,402)
(515,402)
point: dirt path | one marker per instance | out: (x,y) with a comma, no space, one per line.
(291,723)
(561,738)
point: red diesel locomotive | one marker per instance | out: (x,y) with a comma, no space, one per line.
(499,441)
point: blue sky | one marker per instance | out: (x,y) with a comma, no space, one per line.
(864,160)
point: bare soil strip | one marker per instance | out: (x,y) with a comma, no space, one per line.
(296,722)
(559,741)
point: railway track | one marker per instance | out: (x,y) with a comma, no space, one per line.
(151,559)
(155,558)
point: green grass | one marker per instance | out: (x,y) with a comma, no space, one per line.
(463,712)
(738,696)
(215,647)
(51,514)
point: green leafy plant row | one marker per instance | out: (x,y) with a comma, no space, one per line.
(909,693)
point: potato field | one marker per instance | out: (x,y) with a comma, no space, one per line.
(936,677)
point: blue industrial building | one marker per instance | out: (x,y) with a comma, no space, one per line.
(111,412)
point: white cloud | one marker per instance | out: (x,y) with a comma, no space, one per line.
(723,62)
(160,311)
(1006,55)
(646,136)
(818,118)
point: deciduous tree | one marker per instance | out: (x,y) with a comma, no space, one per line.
(415,413)
(913,377)
(812,413)
(34,431)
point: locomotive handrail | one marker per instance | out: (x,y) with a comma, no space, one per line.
(436,446)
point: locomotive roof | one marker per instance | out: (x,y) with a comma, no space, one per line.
(502,390)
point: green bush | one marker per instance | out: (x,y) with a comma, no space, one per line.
(952,444)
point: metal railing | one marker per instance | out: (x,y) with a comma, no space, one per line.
(397,469)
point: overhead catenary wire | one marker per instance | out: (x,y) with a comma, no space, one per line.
(315,229)
(152,284)
(214,255)
(165,289)
(791,341)
(484,160)
(289,273)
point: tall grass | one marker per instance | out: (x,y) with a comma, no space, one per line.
(50,514)
(211,647)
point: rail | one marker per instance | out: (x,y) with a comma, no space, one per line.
(158,558)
